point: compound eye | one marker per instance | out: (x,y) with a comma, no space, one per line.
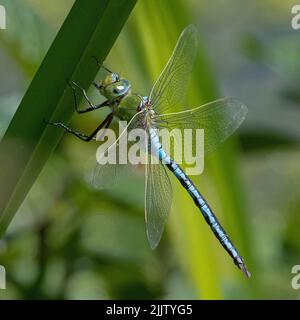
(119,89)
(115,77)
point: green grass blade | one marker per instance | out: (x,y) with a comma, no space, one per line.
(91,28)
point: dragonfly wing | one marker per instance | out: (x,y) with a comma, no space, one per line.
(219,119)
(158,200)
(108,168)
(170,88)
(106,175)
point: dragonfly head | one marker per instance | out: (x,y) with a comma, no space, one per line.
(113,86)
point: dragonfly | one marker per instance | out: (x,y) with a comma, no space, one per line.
(162,108)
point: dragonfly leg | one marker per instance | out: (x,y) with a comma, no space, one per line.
(84,137)
(91,107)
(100,65)
(95,84)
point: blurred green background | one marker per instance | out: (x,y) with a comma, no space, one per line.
(70,241)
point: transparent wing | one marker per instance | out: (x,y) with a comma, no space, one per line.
(109,168)
(170,88)
(158,200)
(219,119)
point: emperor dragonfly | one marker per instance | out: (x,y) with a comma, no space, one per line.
(161,109)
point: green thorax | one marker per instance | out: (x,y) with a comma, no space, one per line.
(128,106)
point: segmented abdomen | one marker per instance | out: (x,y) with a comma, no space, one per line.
(158,151)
